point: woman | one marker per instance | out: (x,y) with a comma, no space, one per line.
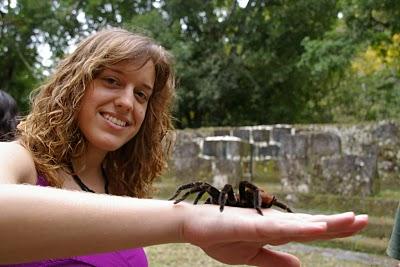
(99,125)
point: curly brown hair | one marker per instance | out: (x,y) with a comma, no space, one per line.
(51,130)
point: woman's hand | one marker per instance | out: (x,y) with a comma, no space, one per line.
(239,236)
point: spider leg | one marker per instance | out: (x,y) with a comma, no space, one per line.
(244,184)
(199,187)
(226,194)
(281,205)
(257,201)
(256,196)
(213,192)
(184,187)
(199,195)
(191,191)
(208,201)
(242,192)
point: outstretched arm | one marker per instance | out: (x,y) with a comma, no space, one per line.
(39,223)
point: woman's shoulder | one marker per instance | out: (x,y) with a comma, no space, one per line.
(16,163)
(14,148)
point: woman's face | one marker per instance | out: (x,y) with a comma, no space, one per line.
(115,103)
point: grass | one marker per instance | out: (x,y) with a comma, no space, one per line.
(372,240)
(187,255)
(389,194)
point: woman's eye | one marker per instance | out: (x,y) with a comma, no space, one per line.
(141,95)
(111,81)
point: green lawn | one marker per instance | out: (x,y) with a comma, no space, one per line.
(187,255)
(371,240)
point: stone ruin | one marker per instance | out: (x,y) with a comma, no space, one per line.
(216,159)
(335,159)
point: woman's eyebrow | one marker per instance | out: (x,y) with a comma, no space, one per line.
(146,86)
(114,70)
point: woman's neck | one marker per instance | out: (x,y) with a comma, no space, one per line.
(89,163)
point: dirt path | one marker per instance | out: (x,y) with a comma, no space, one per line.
(362,258)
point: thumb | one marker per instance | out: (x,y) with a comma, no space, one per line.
(270,258)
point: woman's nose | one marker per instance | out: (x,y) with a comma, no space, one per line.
(125,99)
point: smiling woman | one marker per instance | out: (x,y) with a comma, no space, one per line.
(99,125)
(112,74)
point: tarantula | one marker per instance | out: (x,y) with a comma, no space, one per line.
(250,196)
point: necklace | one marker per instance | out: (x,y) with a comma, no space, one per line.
(84,187)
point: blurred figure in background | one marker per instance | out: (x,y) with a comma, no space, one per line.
(393,249)
(8,116)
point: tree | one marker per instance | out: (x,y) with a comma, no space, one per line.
(272,61)
(27,24)
(343,92)
(238,65)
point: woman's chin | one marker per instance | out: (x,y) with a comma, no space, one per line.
(108,145)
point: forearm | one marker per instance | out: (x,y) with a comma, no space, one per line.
(38,223)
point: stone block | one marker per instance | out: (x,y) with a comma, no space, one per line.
(386,132)
(190,169)
(226,172)
(294,146)
(222,132)
(261,135)
(185,163)
(348,175)
(226,147)
(186,150)
(243,134)
(268,151)
(280,131)
(324,144)
(295,176)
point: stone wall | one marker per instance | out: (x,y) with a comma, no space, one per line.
(336,159)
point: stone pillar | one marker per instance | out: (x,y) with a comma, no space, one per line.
(230,157)
(186,163)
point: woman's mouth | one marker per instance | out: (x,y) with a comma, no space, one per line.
(114,120)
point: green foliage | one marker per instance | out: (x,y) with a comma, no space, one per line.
(338,91)
(272,61)
(238,65)
(28,24)
(16,52)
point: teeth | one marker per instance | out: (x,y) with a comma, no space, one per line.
(115,120)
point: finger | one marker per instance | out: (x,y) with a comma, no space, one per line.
(347,223)
(270,258)
(360,222)
(307,239)
(336,222)
(284,229)
(305,216)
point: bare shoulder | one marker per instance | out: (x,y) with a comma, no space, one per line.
(16,164)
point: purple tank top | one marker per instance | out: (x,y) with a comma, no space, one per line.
(124,258)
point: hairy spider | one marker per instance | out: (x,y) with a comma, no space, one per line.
(250,196)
